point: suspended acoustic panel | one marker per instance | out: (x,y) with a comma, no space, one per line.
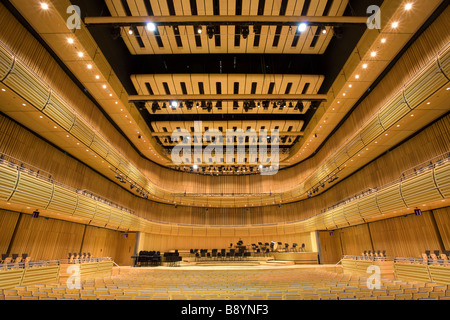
(444,61)
(420,189)
(82,132)
(115,219)
(368,206)
(442,179)
(8,181)
(355,146)
(32,192)
(99,146)
(56,110)
(428,81)
(6,62)
(85,208)
(390,199)
(394,110)
(27,85)
(102,214)
(63,201)
(373,129)
(352,213)
(339,218)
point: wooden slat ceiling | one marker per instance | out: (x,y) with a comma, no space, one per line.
(185,39)
(164,86)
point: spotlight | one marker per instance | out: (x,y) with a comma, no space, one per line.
(174,104)
(151,27)
(302,27)
(210,31)
(199,29)
(245,32)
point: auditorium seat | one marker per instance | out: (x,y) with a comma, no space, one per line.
(385,297)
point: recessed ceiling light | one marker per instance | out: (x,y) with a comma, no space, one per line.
(408,6)
(395,24)
(383,40)
(130,31)
(44,5)
(97,77)
(24,104)
(104,86)
(350,85)
(364,66)
(41,117)
(70,40)
(89,66)
(357,76)
(373,54)
(3,90)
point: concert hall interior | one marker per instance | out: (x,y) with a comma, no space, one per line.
(224,150)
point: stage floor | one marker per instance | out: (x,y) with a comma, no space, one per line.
(273,264)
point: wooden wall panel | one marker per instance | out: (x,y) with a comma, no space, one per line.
(406,236)
(8,220)
(442,218)
(330,247)
(46,239)
(51,239)
(355,239)
(165,243)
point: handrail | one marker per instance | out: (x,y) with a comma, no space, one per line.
(116,265)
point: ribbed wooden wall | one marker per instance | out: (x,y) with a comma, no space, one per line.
(442,218)
(46,239)
(330,245)
(165,243)
(33,55)
(52,239)
(20,143)
(405,236)
(8,221)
